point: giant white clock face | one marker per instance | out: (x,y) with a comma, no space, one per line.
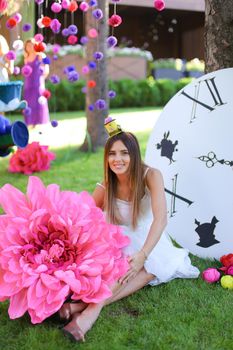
(192,145)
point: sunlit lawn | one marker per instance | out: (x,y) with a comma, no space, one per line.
(180,315)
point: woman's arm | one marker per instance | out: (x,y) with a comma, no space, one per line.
(98,195)
(154,182)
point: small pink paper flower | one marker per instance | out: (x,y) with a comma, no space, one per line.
(211,275)
(159,5)
(53,245)
(30,159)
(229,270)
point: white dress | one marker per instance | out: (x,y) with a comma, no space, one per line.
(165,261)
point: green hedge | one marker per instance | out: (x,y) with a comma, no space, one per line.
(68,96)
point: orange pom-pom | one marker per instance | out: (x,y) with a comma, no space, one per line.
(91,84)
(46,21)
(73,6)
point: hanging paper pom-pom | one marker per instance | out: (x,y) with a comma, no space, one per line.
(98,55)
(159,5)
(40,47)
(84,90)
(46,60)
(73,76)
(65,4)
(27,111)
(26,70)
(92,33)
(100,104)
(115,20)
(55,25)
(111,41)
(91,108)
(93,3)
(92,65)
(16,70)
(85,69)
(72,39)
(18,17)
(56,7)
(73,6)
(46,21)
(3,5)
(69,69)
(56,48)
(54,79)
(17,45)
(11,56)
(11,23)
(39,23)
(84,6)
(111,94)
(26,27)
(84,40)
(65,32)
(54,123)
(72,29)
(38,37)
(46,93)
(91,84)
(39,2)
(97,14)
(42,100)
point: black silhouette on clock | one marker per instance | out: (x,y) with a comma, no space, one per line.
(206,233)
(167,147)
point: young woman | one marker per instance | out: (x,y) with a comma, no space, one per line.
(132,195)
(34,85)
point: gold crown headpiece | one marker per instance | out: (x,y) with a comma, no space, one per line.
(112,127)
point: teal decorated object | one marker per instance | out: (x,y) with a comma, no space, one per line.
(10,96)
(12,135)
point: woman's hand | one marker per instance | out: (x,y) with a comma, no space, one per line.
(136,262)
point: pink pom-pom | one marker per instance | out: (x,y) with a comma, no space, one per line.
(159,5)
(18,17)
(56,7)
(72,39)
(38,37)
(84,6)
(26,70)
(92,33)
(211,275)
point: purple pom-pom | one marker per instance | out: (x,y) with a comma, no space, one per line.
(65,32)
(46,60)
(54,79)
(73,76)
(111,94)
(84,40)
(98,55)
(100,104)
(69,69)
(84,90)
(54,123)
(39,2)
(72,29)
(16,70)
(97,14)
(111,41)
(26,27)
(92,65)
(93,3)
(91,108)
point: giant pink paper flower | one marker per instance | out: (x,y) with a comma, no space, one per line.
(53,245)
(30,159)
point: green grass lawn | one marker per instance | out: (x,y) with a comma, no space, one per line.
(180,315)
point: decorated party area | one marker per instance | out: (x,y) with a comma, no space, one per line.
(85,87)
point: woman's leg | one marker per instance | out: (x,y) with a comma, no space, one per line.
(87,318)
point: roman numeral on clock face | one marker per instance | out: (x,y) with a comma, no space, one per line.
(213,91)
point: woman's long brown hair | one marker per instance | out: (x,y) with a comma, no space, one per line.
(136,178)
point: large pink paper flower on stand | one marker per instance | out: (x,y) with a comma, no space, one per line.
(53,245)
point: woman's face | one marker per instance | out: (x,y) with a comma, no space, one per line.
(118,158)
(29,47)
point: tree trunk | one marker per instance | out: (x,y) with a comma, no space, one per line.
(96,135)
(218,34)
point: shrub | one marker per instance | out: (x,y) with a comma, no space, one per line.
(167,89)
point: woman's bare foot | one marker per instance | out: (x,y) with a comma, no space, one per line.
(81,323)
(68,309)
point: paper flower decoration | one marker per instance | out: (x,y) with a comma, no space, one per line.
(211,275)
(159,5)
(227,282)
(115,20)
(26,27)
(55,244)
(32,158)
